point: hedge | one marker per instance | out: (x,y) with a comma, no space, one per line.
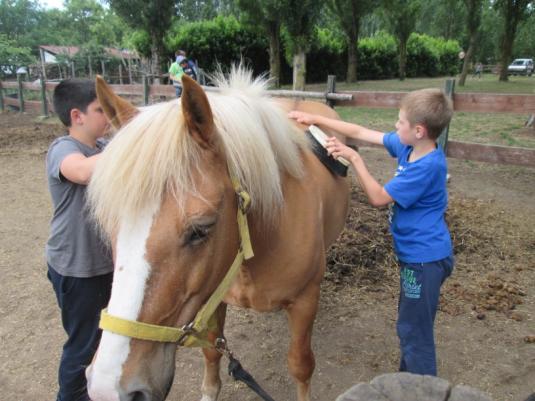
(224,40)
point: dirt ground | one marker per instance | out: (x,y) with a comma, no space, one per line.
(485,330)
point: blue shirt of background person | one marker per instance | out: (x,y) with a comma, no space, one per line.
(417,216)
(188,68)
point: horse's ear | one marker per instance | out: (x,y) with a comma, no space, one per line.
(118,110)
(197,112)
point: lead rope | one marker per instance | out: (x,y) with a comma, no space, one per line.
(237,372)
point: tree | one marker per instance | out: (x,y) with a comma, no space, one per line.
(17,18)
(153,17)
(299,20)
(473,22)
(401,17)
(197,10)
(266,14)
(450,13)
(13,56)
(512,11)
(524,43)
(349,14)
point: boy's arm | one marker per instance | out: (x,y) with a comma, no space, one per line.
(376,193)
(347,129)
(77,168)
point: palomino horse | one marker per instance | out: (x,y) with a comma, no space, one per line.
(165,191)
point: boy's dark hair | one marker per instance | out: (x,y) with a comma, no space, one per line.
(184,61)
(73,94)
(430,108)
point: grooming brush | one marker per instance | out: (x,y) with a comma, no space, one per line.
(318,139)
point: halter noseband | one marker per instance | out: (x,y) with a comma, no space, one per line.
(194,334)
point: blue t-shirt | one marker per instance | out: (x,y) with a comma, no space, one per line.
(420,200)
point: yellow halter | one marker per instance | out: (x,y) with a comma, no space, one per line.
(194,334)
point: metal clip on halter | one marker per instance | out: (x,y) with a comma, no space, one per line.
(222,347)
(187,330)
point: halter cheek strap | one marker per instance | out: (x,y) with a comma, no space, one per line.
(194,334)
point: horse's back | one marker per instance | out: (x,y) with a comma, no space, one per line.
(333,189)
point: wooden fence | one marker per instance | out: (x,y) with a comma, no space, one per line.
(468,102)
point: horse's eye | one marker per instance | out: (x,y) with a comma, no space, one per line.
(197,234)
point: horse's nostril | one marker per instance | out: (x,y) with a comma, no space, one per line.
(139,396)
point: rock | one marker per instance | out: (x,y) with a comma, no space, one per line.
(465,393)
(410,387)
(406,386)
(362,392)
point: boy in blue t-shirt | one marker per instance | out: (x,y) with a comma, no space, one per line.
(418,199)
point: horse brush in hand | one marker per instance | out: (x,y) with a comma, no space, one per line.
(318,139)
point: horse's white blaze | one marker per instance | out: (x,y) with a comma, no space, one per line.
(129,280)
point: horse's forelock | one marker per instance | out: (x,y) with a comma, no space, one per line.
(154,153)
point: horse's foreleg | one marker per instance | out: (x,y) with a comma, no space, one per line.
(301,361)
(211,382)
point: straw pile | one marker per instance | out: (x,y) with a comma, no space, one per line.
(492,253)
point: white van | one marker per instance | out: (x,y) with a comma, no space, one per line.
(521,66)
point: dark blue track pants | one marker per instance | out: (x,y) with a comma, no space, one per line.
(418,302)
(80,301)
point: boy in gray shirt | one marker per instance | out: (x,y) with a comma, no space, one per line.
(79,263)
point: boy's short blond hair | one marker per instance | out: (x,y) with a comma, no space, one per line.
(430,108)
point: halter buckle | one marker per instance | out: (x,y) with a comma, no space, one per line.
(187,331)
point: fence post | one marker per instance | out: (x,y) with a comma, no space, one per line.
(43,97)
(2,107)
(121,73)
(21,96)
(449,89)
(331,88)
(145,90)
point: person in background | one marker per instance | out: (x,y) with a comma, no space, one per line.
(188,70)
(176,72)
(478,70)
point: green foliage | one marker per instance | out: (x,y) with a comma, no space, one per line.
(299,20)
(12,56)
(140,40)
(431,57)
(450,13)
(154,18)
(525,38)
(327,55)
(197,10)
(377,57)
(222,40)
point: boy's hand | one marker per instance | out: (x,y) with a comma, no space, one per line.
(302,117)
(336,149)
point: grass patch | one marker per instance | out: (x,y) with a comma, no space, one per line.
(486,128)
(505,129)
(488,83)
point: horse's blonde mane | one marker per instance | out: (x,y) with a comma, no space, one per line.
(154,153)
